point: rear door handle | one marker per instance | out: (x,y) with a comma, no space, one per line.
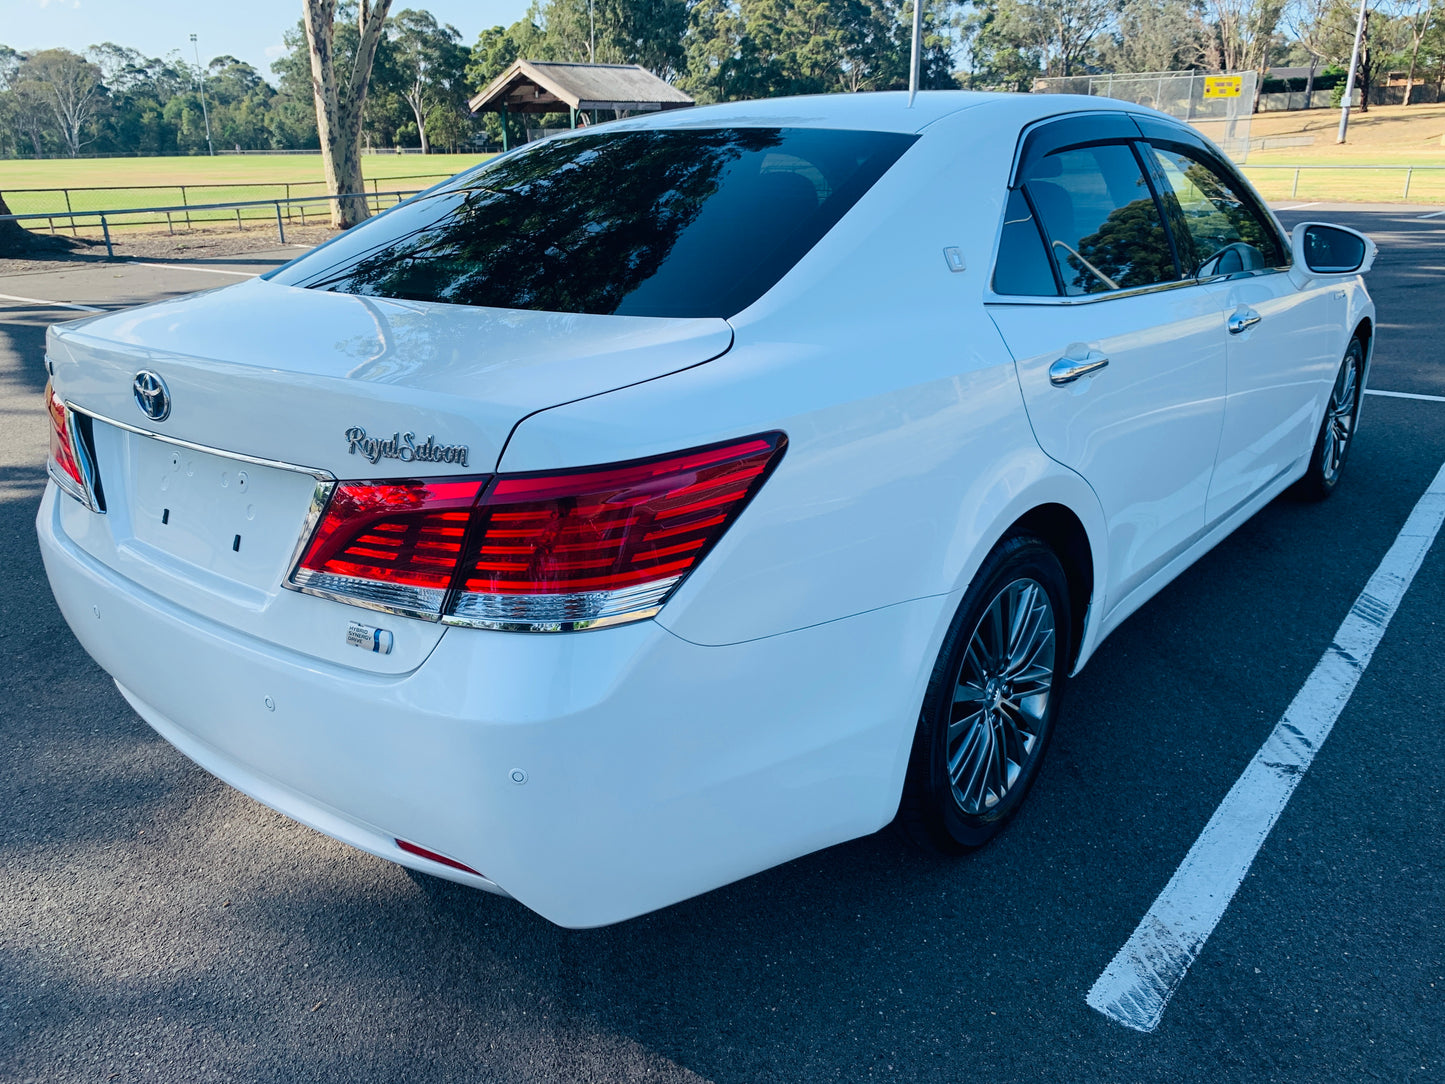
(1067,370)
(1243,321)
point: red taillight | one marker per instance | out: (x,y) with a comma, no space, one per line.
(64,465)
(601,546)
(543,552)
(393,544)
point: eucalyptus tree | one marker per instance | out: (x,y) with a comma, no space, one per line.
(70,88)
(429,63)
(1417,20)
(339,83)
(1064,34)
(762,48)
(1245,34)
(1157,36)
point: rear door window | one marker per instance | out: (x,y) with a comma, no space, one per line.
(681,223)
(1102,222)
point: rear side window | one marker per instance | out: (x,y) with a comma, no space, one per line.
(682,223)
(1023,267)
(1225,233)
(1101,219)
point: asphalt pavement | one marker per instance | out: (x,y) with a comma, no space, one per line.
(158,926)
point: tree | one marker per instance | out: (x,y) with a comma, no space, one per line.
(431,65)
(1157,36)
(340,92)
(1306,22)
(1245,36)
(646,32)
(1418,23)
(70,87)
(1379,40)
(1062,33)
(763,48)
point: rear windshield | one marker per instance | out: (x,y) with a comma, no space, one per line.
(684,223)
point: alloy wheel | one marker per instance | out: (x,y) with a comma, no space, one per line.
(1001,696)
(1340,416)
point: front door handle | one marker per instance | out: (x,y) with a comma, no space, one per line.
(1067,370)
(1243,321)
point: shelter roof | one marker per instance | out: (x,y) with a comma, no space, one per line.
(543,86)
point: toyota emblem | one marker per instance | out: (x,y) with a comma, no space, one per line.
(151,395)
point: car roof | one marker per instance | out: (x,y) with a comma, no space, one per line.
(878,111)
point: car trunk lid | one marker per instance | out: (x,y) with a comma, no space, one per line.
(273,390)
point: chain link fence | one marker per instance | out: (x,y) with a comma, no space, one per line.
(1219,106)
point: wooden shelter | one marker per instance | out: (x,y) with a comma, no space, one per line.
(545,86)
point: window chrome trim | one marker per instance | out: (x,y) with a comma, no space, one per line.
(991,298)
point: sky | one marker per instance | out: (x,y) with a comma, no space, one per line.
(248,29)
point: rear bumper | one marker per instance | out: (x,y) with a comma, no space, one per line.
(655,768)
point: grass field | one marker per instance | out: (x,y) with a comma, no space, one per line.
(1388,135)
(128,182)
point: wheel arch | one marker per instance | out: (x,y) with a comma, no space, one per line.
(1060,528)
(1365,332)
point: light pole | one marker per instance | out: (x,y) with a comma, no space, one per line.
(205,113)
(1350,79)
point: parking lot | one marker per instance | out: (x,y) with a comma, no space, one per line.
(157,925)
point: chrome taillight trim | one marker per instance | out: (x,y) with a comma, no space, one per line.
(67,485)
(401,599)
(572,612)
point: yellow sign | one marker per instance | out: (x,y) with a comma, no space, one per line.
(1223,86)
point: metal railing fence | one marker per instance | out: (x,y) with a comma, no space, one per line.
(1409,172)
(119,198)
(268,208)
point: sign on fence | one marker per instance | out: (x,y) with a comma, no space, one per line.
(1223,86)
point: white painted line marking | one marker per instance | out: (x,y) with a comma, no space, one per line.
(50,304)
(191,267)
(1299,206)
(1406,395)
(1139,981)
(1433,214)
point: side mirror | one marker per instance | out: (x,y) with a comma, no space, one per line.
(1321,249)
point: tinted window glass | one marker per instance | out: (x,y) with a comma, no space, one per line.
(1101,219)
(1023,263)
(655,223)
(1226,234)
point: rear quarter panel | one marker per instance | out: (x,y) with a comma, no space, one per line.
(909,451)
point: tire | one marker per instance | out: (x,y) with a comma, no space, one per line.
(959,793)
(1337,430)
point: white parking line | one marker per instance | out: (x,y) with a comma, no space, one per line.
(1433,214)
(50,304)
(1298,206)
(1139,981)
(192,267)
(1406,395)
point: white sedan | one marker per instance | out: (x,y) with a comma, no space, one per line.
(661,502)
